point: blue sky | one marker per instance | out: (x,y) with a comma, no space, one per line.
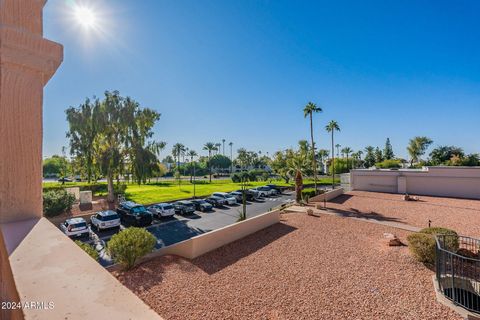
(243,70)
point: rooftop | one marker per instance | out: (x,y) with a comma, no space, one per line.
(303,268)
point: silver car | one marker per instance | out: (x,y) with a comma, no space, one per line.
(162,210)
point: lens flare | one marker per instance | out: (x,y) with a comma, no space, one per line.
(85,17)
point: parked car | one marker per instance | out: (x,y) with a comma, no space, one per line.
(65,179)
(238,195)
(162,210)
(202,205)
(215,201)
(75,227)
(275,187)
(250,193)
(105,220)
(264,191)
(228,198)
(135,214)
(184,207)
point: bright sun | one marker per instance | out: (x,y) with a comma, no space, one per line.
(85,17)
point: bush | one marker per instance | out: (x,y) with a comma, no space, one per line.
(422,244)
(56,202)
(127,246)
(308,192)
(389,164)
(88,249)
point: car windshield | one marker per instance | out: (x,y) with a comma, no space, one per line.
(189,204)
(79,225)
(109,217)
(202,201)
(139,210)
(167,207)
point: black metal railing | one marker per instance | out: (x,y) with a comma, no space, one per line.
(457,261)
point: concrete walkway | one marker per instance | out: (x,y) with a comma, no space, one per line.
(354,216)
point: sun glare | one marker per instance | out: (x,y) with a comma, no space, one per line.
(85,17)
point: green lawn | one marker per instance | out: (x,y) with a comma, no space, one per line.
(169,190)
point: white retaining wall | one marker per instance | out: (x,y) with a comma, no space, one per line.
(458,182)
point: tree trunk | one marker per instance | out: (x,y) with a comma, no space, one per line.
(314,161)
(298,186)
(333,163)
(111,192)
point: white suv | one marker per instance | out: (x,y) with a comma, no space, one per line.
(75,227)
(105,220)
(162,210)
(229,199)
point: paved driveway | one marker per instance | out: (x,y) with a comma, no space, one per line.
(179,228)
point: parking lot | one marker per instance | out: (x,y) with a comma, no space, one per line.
(178,228)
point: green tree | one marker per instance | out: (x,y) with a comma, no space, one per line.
(388,150)
(219,161)
(331,127)
(279,165)
(441,155)
(369,160)
(308,111)
(210,147)
(178,150)
(338,150)
(378,155)
(82,132)
(297,163)
(54,165)
(417,147)
(347,151)
(323,155)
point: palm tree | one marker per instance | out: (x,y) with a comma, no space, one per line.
(308,111)
(338,150)
(331,127)
(231,156)
(177,150)
(209,146)
(417,147)
(191,154)
(346,151)
(296,164)
(223,146)
(217,147)
(323,154)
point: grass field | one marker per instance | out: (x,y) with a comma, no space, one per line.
(169,190)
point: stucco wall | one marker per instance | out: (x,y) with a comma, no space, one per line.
(459,182)
(212,240)
(327,196)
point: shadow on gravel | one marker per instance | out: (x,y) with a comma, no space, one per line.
(365,215)
(341,199)
(229,254)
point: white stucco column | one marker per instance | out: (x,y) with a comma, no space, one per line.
(27,62)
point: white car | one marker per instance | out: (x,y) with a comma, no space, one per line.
(75,227)
(229,199)
(265,191)
(162,210)
(105,220)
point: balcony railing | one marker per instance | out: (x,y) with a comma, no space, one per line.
(458,270)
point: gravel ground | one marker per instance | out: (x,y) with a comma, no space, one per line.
(303,268)
(461,215)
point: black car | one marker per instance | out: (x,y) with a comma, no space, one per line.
(134,214)
(184,207)
(250,195)
(65,179)
(215,201)
(202,205)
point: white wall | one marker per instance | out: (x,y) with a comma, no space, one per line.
(458,182)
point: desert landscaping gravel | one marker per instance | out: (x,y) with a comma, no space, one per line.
(305,267)
(461,215)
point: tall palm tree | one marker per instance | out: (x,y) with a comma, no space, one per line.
(331,127)
(346,151)
(338,150)
(177,150)
(191,154)
(231,156)
(223,146)
(323,154)
(217,147)
(209,146)
(417,147)
(308,111)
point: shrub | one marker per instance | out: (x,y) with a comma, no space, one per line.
(422,244)
(308,192)
(389,164)
(56,202)
(127,246)
(88,249)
